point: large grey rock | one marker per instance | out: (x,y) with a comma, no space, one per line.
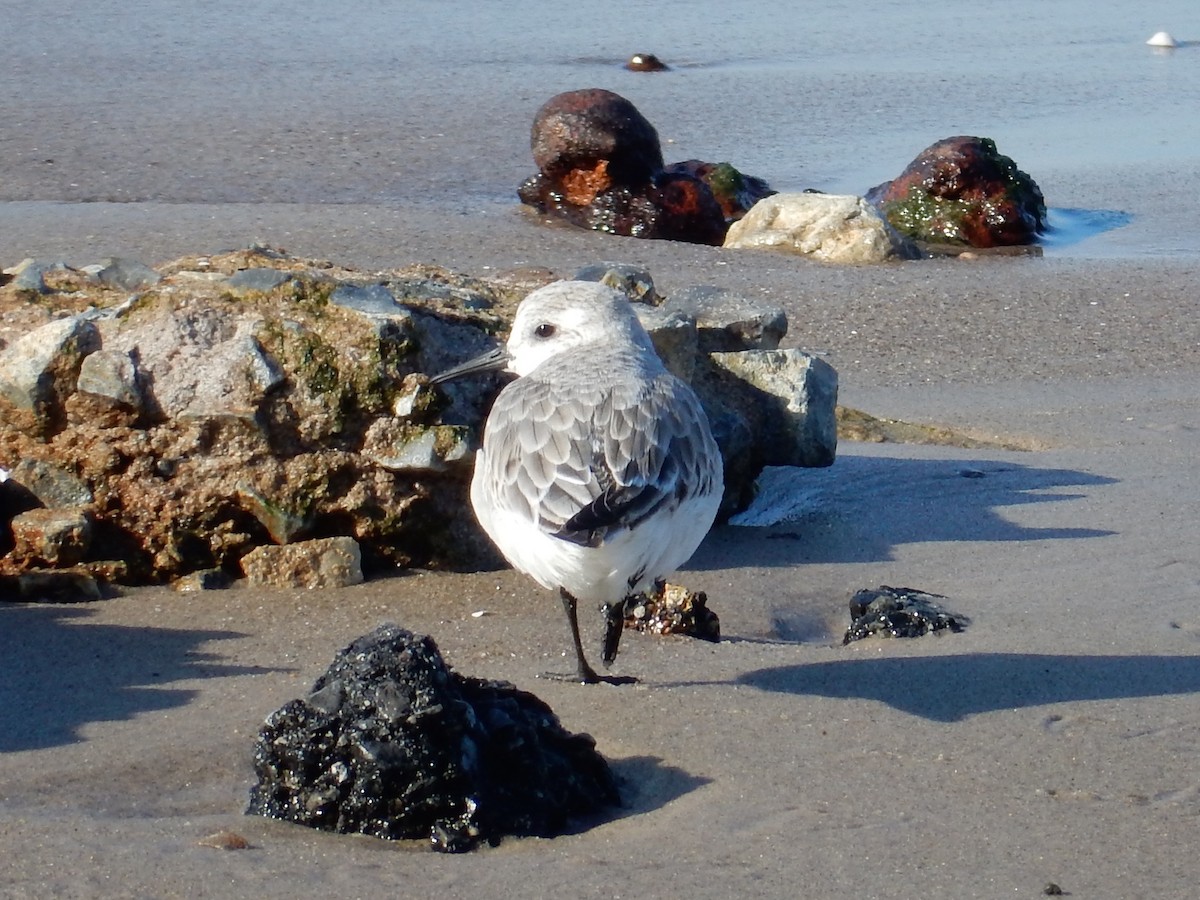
(828,227)
(796,417)
(767,408)
(199,362)
(39,370)
(675,337)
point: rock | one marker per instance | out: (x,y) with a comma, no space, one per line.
(899,612)
(321,563)
(51,537)
(51,485)
(202,580)
(734,192)
(798,426)
(963,191)
(767,408)
(828,227)
(646,62)
(258,279)
(374,299)
(726,321)
(202,362)
(634,282)
(39,370)
(600,167)
(110,378)
(401,447)
(192,425)
(673,609)
(394,744)
(30,275)
(51,587)
(127,274)
(674,336)
(589,140)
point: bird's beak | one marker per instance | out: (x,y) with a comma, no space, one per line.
(487,362)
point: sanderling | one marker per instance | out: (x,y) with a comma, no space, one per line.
(598,473)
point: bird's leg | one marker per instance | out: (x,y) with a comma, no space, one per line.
(614,626)
(587,674)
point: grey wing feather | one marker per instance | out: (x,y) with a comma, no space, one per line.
(583,466)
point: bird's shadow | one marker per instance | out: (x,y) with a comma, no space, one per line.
(60,673)
(862,506)
(953,687)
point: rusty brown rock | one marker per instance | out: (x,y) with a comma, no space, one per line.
(579,129)
(51,537)
(962,190)
(321,563)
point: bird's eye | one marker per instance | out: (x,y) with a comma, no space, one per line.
(544,330)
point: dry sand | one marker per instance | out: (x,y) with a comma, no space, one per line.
(1055,740)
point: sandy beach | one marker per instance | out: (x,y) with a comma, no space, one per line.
(1054,741)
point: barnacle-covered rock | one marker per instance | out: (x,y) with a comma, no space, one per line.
(899,612)
(673,609)
(392,743)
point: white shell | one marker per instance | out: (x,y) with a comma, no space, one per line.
(1162,39)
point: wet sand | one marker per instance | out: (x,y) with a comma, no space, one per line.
(1053,741)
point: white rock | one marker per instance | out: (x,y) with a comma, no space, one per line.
(1162,39)
(828,227)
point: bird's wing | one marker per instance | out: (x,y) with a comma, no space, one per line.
(597,459)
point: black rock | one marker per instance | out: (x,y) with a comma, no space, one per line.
(394,744)
(898,612)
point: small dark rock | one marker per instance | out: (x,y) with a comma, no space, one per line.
(898,612)
(633,281)
(963,191)
(646,62)
(394,744)
(673,609)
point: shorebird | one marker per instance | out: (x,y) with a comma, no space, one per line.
(598,474)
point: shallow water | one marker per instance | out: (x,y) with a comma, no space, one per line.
(411,103)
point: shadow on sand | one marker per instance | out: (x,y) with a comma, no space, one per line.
(60,673)
(951,688)
(861,507)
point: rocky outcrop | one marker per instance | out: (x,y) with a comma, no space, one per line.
(828,227)
(600,166)
(280,425)
(962,191)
